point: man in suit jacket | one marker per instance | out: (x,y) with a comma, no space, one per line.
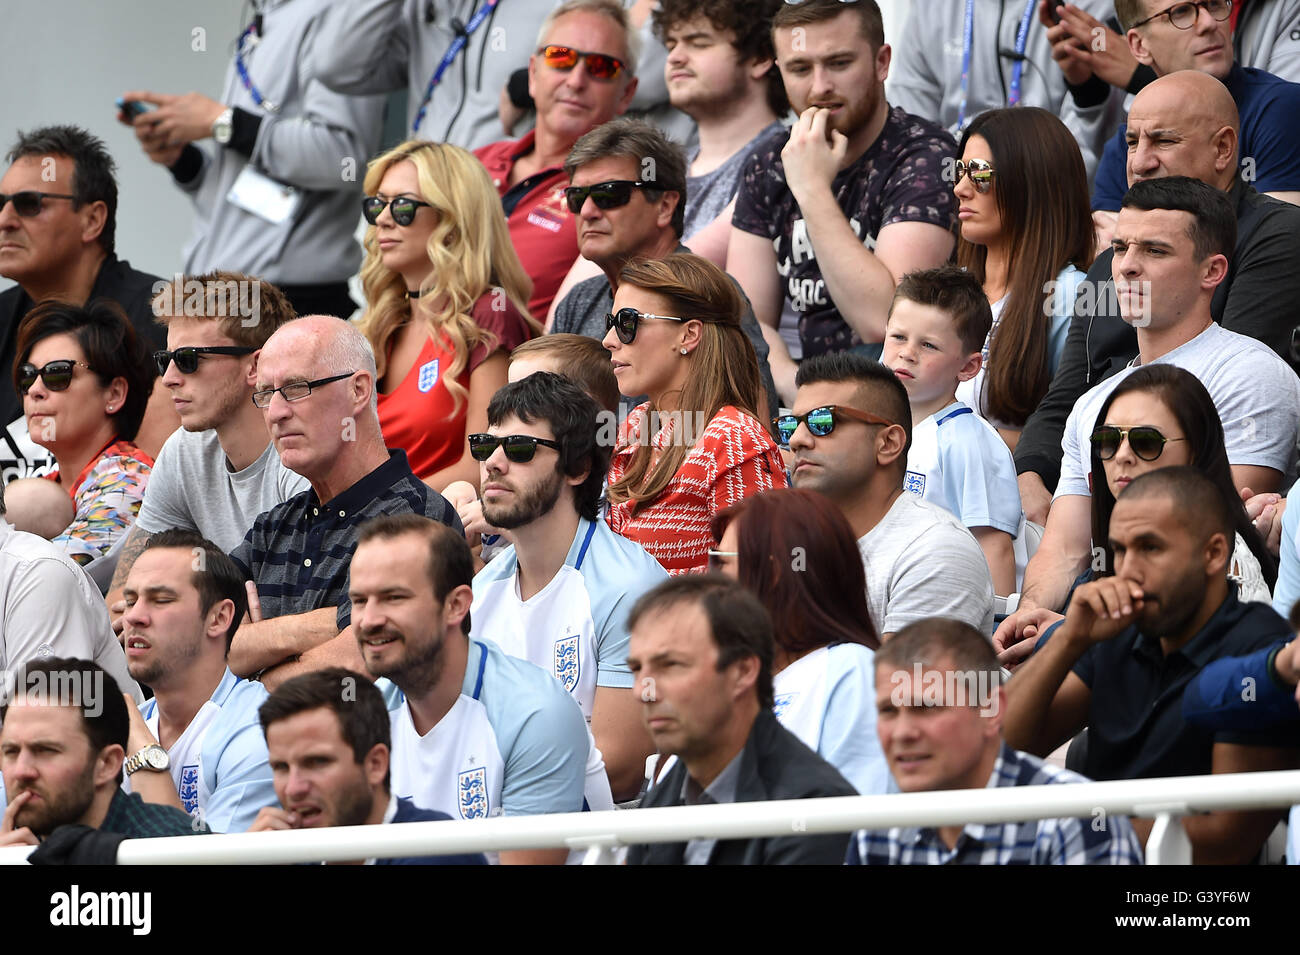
(701,651)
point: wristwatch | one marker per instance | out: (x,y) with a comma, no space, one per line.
(152,757)
(224,126)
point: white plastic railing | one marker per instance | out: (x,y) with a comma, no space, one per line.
(600,832)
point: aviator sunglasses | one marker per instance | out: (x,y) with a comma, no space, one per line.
(980,171)
(1147,442)
(519,448)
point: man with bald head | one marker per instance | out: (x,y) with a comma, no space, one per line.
(1183,124)
(1164,38)
(1130,644)
(316,389)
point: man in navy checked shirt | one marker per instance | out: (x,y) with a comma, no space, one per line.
(940,703)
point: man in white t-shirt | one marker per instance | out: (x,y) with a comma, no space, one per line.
(198,740)
(219,470)
(1172,242)
(558,596)
(850,436)
(476,732)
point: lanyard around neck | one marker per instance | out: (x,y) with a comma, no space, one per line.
(1017,70)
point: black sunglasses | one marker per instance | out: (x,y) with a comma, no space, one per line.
(821,421)
(1147,442)
(28,203)
(606,195)
(519,448)
(625,320)
(56,374)
(187,358)
(402,208)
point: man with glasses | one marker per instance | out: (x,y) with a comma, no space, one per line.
(276,183)
(833,212)
(1131,643)
(316,389)
(219,470)
(1171,247)
(58,212)
(1198,36)
(583,74)
(559,594)
(850,435)
(628,195)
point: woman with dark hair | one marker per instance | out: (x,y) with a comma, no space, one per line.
(697,445)
(1159,416)
(1027,236)
(85,379)
(796,552)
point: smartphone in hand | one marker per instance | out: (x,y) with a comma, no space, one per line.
(131,108)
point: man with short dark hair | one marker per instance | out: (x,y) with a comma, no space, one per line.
(58,214)
(1129,645)
(476,732)
(558,596)
(1171,244)
(628,183)
(940,702)
(184,601)
(701,650)
(832,213)
(316,387)
(850,435)
(63,738)
(329,741)
(220,469)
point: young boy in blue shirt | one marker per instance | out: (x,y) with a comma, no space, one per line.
(937,325)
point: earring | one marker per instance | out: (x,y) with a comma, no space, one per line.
(683,351)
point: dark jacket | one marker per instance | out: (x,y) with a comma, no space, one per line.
(1256,299)
(774,764)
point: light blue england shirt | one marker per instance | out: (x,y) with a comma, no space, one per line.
(220,764)
(514,742)
(576,626)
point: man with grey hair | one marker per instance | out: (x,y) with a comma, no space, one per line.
(582,74)
(628,194)
(316,386)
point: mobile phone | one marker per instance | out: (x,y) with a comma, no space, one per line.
(131,108)
(1053,10)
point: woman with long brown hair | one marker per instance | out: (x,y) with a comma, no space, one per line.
(796,552)
(446,301)
(1027,236)
(697,445)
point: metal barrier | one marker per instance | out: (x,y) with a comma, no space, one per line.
(602,832)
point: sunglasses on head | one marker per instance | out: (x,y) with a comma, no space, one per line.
(1147,442)
(981,174)
(821,421)
(187,359)
(625,320)
(28,202)
(401,208)
(606,195)
(600,66)
(56,374)
(519,448)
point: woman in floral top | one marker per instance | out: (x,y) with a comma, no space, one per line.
(697,445)
(85,379)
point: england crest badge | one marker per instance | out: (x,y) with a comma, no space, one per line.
(567,665)
(428,376)
(914,483)
(472,794)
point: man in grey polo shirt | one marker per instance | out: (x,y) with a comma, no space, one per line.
(316,386)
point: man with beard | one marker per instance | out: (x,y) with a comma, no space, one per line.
(184,601)
(476,732)
(62,744)
(558,596)
(329,740)
(1130,644)
(849,200)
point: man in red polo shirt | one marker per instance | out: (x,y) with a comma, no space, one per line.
(582,75)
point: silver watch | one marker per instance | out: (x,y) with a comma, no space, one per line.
(224,126)
(152,757)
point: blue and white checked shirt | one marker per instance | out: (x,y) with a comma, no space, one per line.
(1102,841)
